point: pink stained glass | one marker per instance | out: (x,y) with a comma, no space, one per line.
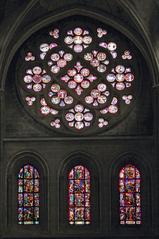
(59,96)
(130,199)
(90,67)
(121,77)
(79,117)
(98,60)
(79,196)
(28,195)
(78,39)
(78,78)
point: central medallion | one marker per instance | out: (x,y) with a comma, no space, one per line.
(78,78)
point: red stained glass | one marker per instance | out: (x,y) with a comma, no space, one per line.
(28,195)
(130,200)
(79,196)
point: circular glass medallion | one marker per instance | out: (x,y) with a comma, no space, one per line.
(78,31)
(101,68)
(120,77)
(120,86)
(129,77)
(44,47)
(37,87)
(71,72)
(111,77)
(78,78)
(61,63)
(68,100)
(88,116)
(46,79)
(79,125)
(68,57)
(101,56)
(28,79)
(79,116)
(85,72)
(55,87)
(112,46)
(95,93)
(113,109)
(68,40)
(101,87)
(72,84)
(69,117)
(88,57)
(78,48)
(55,100)
(85,84)
(102,99)
(55,69)
(37,70)
(87,39)
(55,57)
(120,69)
(62,94)
(95,62)
(89,99)
(78,40)
(79,108)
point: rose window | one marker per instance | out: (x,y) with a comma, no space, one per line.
(78,79)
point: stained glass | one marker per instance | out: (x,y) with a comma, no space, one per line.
(79,117)
(79,196)
(65,65)
(97,60)
(28,195)
(130,200)
(78,78)
(98,96)
(78,39)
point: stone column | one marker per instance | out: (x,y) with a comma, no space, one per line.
(2,127)
(154,192)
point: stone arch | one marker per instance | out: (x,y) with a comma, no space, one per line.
(140,163)
(18,161)
(70,162)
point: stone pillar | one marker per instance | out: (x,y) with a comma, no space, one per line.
(155,163)
(1,158)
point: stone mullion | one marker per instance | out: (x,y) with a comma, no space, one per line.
(2,175)
(154,185)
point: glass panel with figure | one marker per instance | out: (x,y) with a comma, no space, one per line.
(130,200)
(28,195)
(79,196)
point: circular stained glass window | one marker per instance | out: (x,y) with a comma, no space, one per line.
(78,78)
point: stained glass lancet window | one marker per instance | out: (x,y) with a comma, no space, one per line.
(79,196)
(78,78)
(28,195)
(130,198)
